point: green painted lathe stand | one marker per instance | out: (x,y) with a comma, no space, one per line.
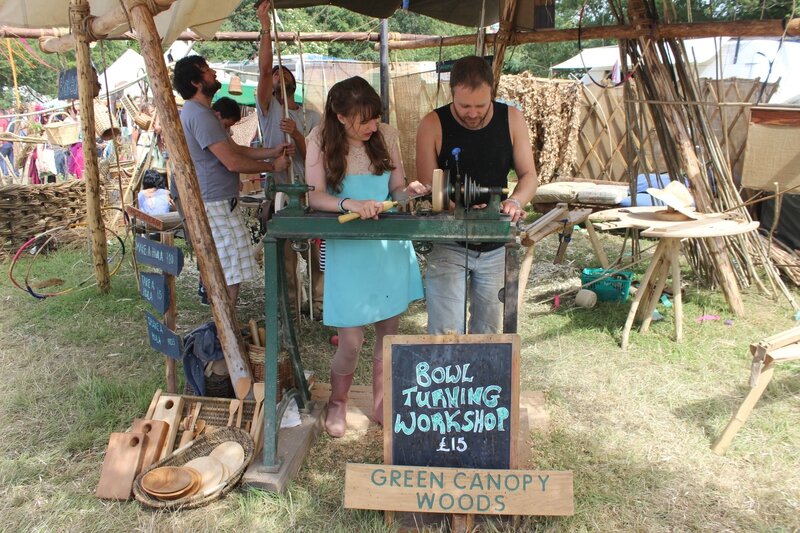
(299,224)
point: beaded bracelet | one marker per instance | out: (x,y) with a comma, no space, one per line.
(341,205)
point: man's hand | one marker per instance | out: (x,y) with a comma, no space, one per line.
(288,125)
(512,207)
(281,149)
(280,163)
(262,12)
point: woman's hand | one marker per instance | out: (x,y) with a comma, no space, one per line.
(416,188)
(365,208)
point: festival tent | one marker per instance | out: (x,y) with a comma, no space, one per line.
(749,58)
(129,68)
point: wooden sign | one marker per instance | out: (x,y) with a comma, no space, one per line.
(162,338)
(163,257)
(154,289)
(458,490)
(451,400)
(153,222)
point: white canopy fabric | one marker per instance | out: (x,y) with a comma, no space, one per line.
(762,58)
(202,16)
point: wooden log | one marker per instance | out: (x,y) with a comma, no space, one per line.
(199,230)
(222,36)
(87,78)
(99,27)
(739,28)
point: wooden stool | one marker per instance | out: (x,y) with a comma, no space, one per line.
(784,346)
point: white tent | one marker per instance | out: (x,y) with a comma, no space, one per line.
(129,68)
(739,58)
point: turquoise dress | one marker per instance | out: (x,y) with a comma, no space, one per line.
(368,281)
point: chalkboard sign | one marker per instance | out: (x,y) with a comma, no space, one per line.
(153,288)
(451,400)
(163,257)
(162,338)
(68,84)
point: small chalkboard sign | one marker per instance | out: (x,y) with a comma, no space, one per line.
(163,257)
(68,84)
(162,338)
(451,400)
(153,288)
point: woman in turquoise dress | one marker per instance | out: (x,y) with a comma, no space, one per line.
(353,163)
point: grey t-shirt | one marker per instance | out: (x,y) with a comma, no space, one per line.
(270,124)
(202,128)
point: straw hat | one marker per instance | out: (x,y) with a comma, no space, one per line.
(677,197)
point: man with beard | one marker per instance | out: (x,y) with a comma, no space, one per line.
(274,127)
(218,162)
(493,138)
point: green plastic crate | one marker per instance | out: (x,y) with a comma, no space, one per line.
(614,288)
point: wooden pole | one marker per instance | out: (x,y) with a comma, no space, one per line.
(87,78)
(384,57)
(505,35)
(171,318)
(739,28)
(98,27)
(189,192)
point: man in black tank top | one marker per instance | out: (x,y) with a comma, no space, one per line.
(492,138)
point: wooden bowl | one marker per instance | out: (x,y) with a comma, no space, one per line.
(167,480)
(211,470)
(193,487)
(230,454)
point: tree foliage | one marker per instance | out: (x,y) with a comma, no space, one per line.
(537,58)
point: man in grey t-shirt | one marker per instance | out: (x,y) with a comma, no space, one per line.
(218,162)
(274,128)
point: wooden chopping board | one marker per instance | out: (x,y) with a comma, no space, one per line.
(119,466)
(155,434)
(169,409)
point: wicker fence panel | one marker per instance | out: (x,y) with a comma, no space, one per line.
(602,139)
(27,210)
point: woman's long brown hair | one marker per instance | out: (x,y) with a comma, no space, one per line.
(353,98)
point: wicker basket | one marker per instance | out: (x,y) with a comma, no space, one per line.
(63,133)
(199,448)
(103,122)
(285,370)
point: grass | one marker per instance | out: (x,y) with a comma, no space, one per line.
(634,427)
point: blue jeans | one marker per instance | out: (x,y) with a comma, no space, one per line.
(444,289)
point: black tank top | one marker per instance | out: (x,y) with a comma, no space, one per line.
(486,156)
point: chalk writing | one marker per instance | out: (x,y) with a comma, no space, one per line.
(153,288)
(166,258)
(451,404)
(162,338)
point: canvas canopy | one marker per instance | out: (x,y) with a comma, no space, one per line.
(205,16)
(202,16)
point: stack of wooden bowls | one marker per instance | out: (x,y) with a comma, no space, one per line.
(202,475)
